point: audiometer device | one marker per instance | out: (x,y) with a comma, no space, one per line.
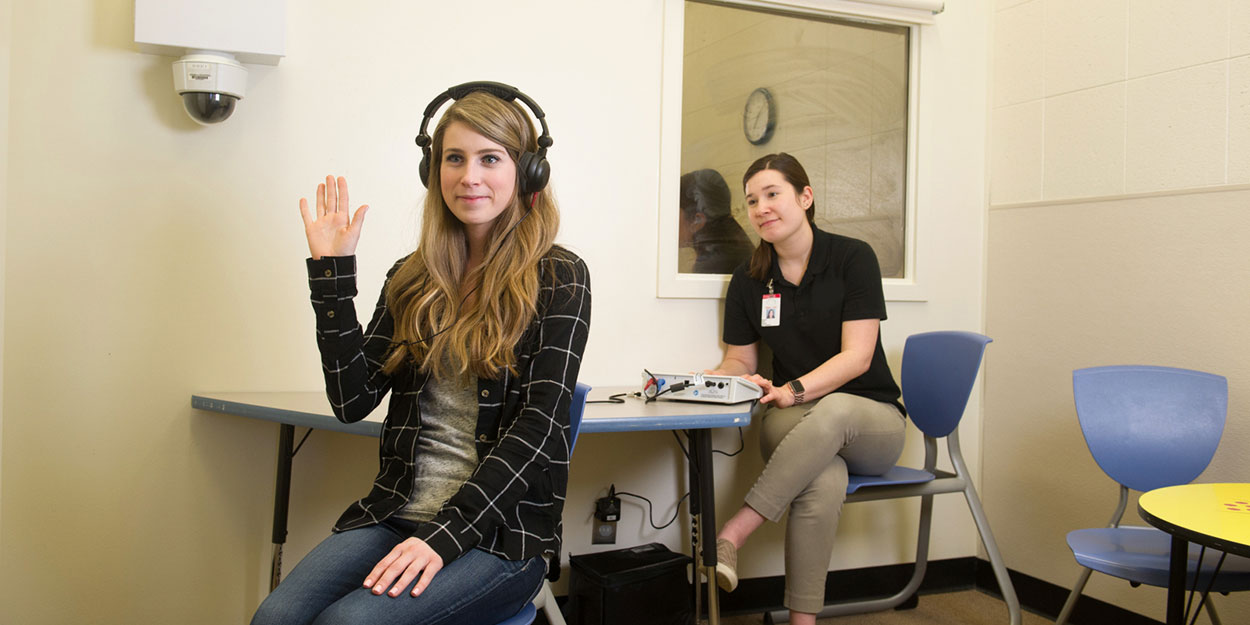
(699,387)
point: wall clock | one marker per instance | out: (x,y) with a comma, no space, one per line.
(759,117)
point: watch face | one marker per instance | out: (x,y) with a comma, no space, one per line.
(759,117)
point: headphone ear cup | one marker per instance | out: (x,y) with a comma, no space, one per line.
(534,172)
(423,170)
(542,171)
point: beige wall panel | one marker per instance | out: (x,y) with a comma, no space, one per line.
(1016,153)
(1239,120)
(1239,28)
(1018,54)
(1085,44)
(1164,35)
(6,24)
(1157,280)
(1084,143)
(1177,131)
(1005,4)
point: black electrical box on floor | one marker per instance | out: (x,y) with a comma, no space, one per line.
(647,584)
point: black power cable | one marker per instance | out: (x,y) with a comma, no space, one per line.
(651,511)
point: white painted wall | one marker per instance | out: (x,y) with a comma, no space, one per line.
(148,258)
(1119,174)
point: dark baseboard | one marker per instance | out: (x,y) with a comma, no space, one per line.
(761,594)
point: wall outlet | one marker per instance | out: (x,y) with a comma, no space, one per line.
(604,533)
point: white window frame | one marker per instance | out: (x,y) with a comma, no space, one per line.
(670,282)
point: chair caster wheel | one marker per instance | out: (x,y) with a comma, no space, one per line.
(911,604)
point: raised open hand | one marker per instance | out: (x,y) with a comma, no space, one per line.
(330,232)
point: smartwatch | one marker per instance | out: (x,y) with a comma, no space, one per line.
(796,387)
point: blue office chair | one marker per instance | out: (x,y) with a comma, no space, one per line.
(546,600)
(939,369)
(526,615)
(1148,427)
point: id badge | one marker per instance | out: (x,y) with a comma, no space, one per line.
(770,312)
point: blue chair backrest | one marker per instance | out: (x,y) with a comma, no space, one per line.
(1150,427)
(939,369)
(575,412)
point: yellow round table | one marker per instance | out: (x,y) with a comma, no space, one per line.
(1215,515)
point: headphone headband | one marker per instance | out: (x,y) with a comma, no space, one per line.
(532,168)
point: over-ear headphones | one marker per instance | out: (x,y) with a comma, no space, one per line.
(532,168)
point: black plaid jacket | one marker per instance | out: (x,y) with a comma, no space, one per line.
(512,504)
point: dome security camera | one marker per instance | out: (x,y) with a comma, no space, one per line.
(210,83)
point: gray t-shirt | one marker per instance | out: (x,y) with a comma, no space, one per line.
(446,455)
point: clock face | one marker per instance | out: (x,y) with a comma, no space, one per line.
(759,117)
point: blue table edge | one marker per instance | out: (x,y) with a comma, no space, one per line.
(282,415)
(589,425)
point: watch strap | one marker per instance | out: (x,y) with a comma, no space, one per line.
(796,387)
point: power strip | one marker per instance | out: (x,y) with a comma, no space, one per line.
(699,387)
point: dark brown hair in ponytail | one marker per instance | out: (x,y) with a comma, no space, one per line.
(793,172)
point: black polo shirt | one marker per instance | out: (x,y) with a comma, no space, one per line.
(842,283)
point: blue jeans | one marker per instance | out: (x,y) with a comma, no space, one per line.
(326,586)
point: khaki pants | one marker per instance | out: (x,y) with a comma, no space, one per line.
(808,450)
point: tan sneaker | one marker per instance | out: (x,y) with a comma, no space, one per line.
(726,565)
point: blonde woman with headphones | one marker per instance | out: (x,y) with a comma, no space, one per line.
(478,337)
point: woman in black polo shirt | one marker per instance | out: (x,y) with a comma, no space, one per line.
(815,298)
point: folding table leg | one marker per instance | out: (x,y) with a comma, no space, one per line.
(281,500)
(703,510)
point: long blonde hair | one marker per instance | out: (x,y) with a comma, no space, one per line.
(438,326)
